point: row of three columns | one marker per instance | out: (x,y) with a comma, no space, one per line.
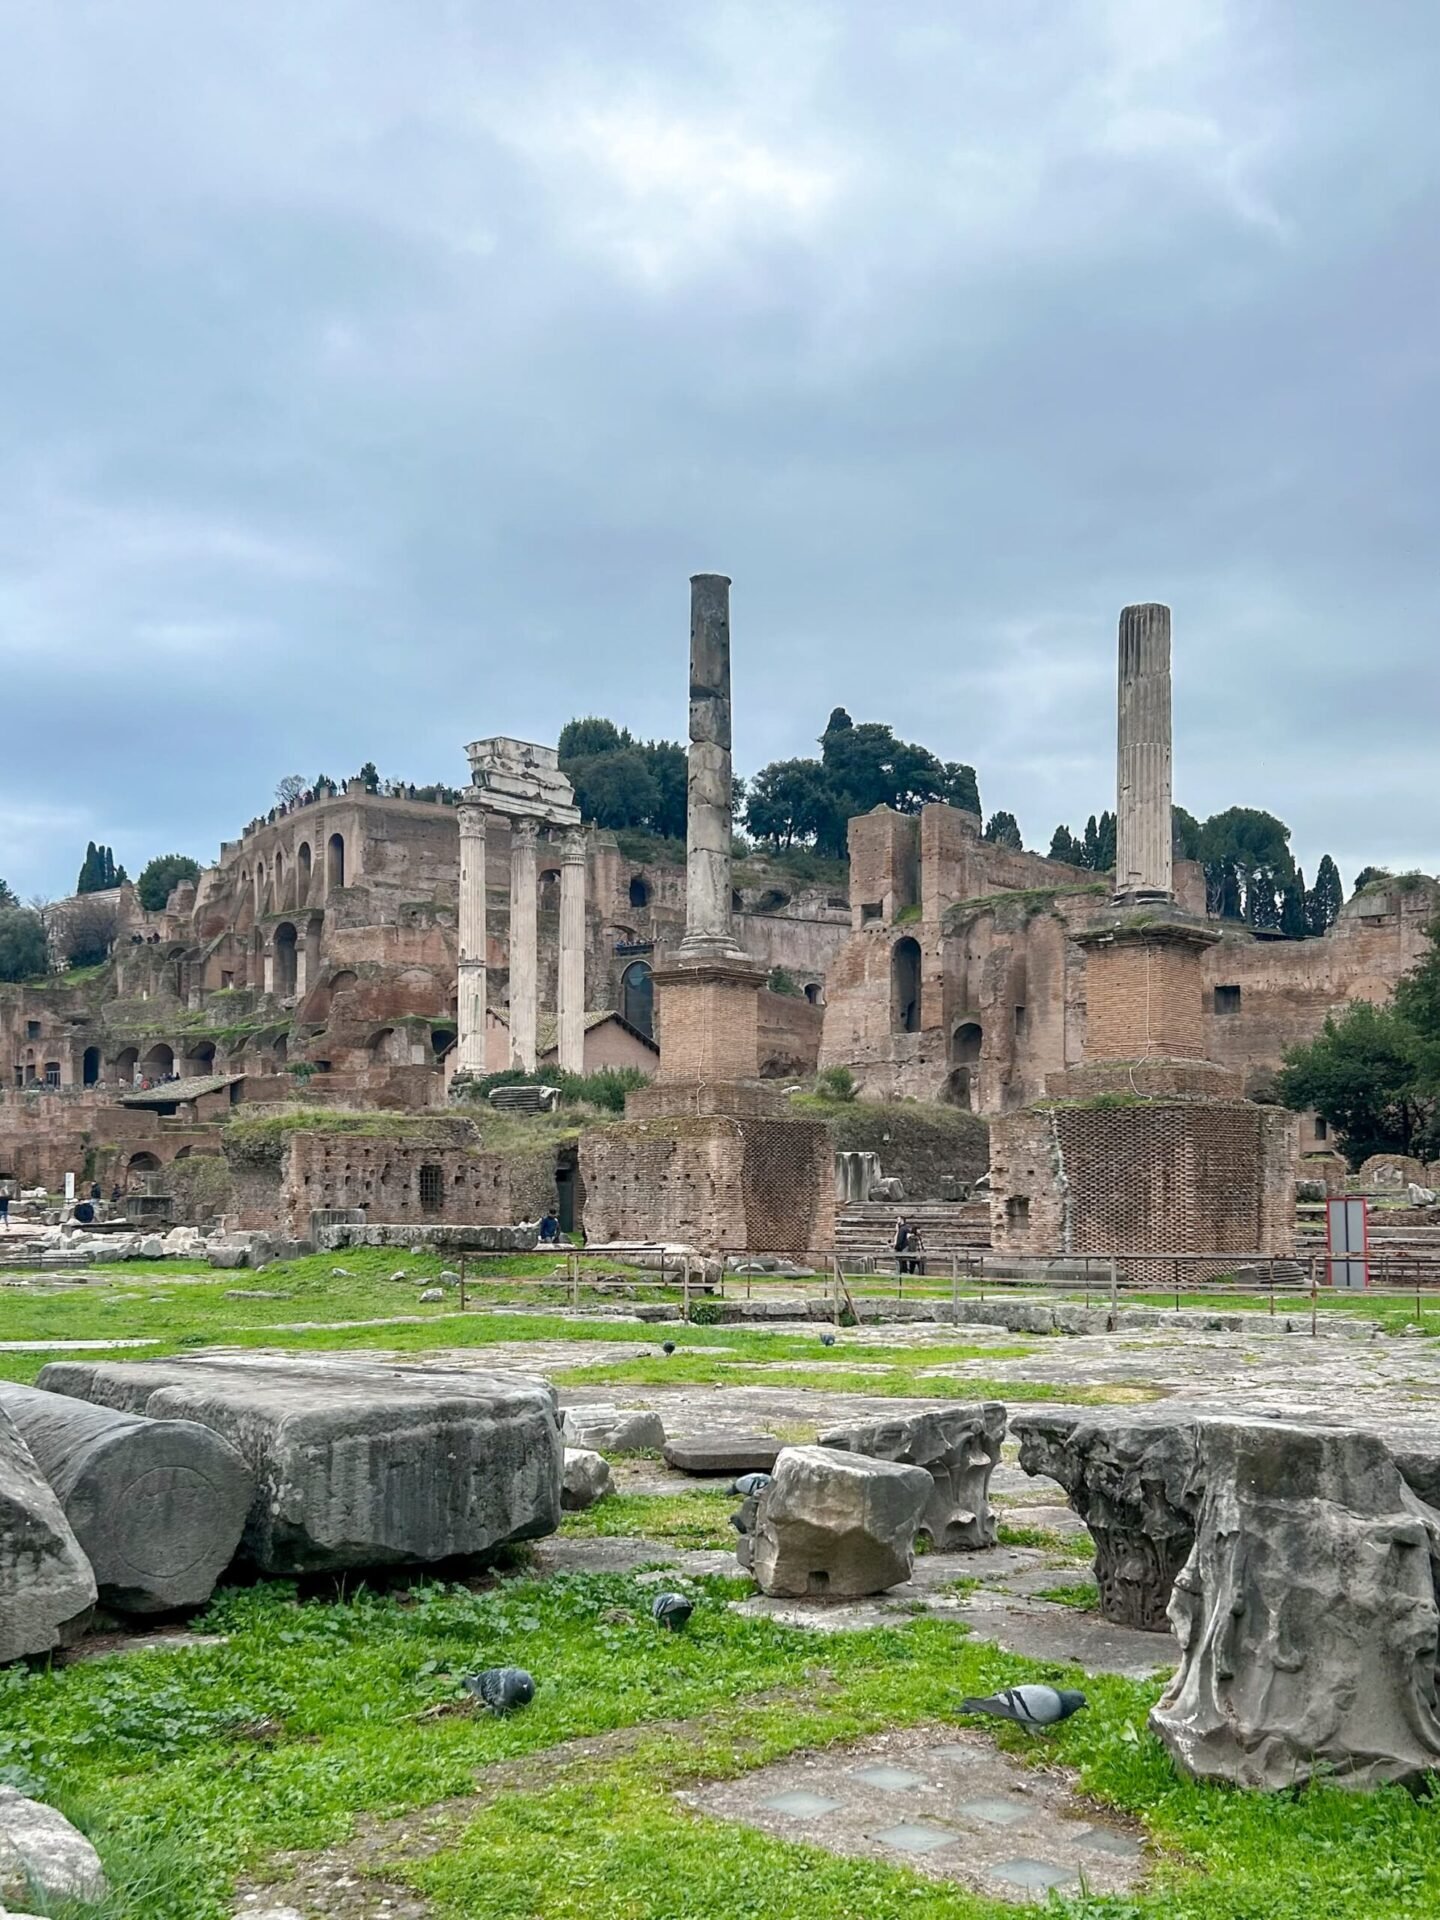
(524,944)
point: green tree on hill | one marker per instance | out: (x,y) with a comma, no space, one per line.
(24,949)
(1003,830)
(1325,899)
(98,871)
(160,878)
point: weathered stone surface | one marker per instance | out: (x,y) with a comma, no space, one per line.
(586,1479)
(156,1505)
(39,1847)
(959,1447)
(47,1590)
(1308,1614)
(615,1430)
(359,1465)
(837,1525)
(722,1452)
(1132,1481)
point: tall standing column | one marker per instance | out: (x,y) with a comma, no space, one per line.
(571,1008)
(709,926)
(524,946)
(470,1044)
(1143,828)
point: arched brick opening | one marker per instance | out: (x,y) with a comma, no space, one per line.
(637,998)
(285,971)
(335,861)
(905,986)
(159,1061)
(303,861)
(966,1043)
(126,1062)
(90,1067)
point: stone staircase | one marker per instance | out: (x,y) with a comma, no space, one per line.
(946,1227)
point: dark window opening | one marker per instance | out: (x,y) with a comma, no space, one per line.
(1322,1131)
(432,1189)
(905,986)
(637,998)
(335,869)
(872,911)
(965,1044)
(32,1029)
(812,994)
(1017,1211)
(1021,1019)
(90,1067)
(639,892)
(1227,1000)
(52,1073)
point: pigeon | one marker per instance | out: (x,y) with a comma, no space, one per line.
(501,1689)
(672,1610)
(1028,1706)
(668,1347)
(827,1339)
(741,1519)
(749,1484)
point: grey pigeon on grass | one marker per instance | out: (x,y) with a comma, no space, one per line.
(501,1689)
(1028,1706)
(827,1339)
(667,1347)
(672,1610)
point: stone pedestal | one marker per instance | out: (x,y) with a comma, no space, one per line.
(709,1020)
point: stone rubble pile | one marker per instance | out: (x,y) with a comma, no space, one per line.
(959,1447)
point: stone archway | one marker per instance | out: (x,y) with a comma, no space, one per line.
(158,1062)
(285,971)
(90,1067)
(335,862)
(637,998)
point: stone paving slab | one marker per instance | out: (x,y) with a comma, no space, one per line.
(943,1802)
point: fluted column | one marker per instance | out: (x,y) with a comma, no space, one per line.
(571,1008)
(470,1042)
(524,946)
(709,926)
(1143,828)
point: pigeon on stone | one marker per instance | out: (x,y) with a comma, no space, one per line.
(667,1346)
(501,1689)
(1028,1706)
(749,1484)
(672,1610)
(827,1339)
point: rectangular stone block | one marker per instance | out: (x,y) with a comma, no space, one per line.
(359,1465)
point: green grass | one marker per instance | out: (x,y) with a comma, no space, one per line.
(1083,1597)
(698,1518)
(1062,1546)
(312,1713)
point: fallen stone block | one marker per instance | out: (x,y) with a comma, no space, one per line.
(228,1253)
(837,1525)
(358,1465)
(614,1431)
(1308,1615)
(39,1849)
(1132,1481)
(156,1505)
(47,1590)
(959,1447)
(586,1479)
(719,1452)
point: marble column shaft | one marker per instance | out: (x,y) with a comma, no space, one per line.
(470,1047)
(709,925)
(571,997)
(1143,828)
(524,946)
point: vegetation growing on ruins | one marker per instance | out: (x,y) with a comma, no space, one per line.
(1373,1073)
(1019,906)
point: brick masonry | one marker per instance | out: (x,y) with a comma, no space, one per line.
(719,1182)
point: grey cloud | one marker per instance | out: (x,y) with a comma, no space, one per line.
(373,379)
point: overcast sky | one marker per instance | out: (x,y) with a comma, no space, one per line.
(373,376)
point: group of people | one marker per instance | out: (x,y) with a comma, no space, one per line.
(909,1248)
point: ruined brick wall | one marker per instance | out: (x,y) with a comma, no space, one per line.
(717,1182)
(1150,1177)
(389,1179)
(884,866)
(788,1031)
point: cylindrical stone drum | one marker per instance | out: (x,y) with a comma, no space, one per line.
(157,1505)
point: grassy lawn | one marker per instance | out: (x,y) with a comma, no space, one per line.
(190,1768)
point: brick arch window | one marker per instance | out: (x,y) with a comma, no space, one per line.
(432,1188)
(905,986)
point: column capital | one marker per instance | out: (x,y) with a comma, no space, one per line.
(473,819)
(524,832)
(572,847)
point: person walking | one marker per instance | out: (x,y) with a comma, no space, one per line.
(901,1244)
(4,1209)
